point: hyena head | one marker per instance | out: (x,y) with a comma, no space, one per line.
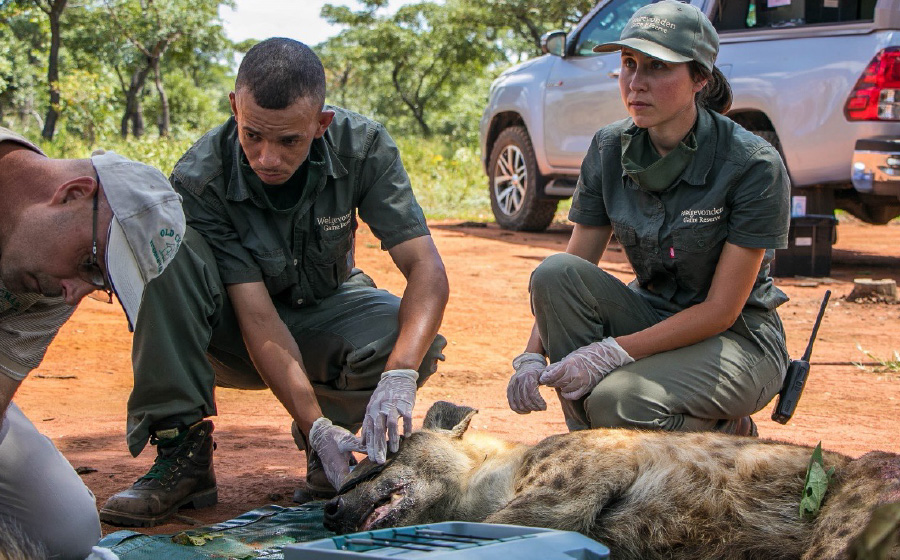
(419,484)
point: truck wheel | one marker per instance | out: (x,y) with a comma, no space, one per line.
(514,183)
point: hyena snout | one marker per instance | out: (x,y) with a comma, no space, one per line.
(333,513)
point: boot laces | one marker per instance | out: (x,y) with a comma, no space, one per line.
(166,456)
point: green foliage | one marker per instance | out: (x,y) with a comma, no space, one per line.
(817,479)
(519,24)
(423,70)
(409,68)
(106,44)
(161,153)
(448,181)
(24,37)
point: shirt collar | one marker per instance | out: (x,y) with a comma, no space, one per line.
(705,132)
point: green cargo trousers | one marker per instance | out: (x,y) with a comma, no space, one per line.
(707,386)
(187,341)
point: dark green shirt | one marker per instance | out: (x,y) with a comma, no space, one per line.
(735,189)
(302,252)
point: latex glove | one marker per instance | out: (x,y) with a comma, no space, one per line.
(579,372)
(522,391)
(394,396)
(101,553)
(333,444)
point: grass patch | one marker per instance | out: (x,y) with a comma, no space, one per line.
(879,365)
(161,153)
(448,180)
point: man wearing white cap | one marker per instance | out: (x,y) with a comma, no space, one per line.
(67,228)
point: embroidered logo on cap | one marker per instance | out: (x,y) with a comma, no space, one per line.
(652,23)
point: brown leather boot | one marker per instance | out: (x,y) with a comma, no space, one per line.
(181,475)
(317,485)
(745,427)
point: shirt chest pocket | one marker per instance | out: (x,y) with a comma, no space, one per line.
(638,257)
(329,261)
(696,250)
(700,239)
(273,265)
(330,247)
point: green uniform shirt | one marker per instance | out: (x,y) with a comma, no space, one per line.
(735,189)
(304,252)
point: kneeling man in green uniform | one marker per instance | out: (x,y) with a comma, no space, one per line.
(264,293)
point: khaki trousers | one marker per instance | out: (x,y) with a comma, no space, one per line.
(705,386)
(42,493)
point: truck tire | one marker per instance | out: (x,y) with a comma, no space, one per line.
(514,184)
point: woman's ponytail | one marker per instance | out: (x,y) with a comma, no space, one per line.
(716,95)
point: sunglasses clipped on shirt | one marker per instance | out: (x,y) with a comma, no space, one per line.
(90,271)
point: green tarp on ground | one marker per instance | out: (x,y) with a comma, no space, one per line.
(260,533)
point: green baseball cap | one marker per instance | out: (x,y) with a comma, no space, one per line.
(671,31)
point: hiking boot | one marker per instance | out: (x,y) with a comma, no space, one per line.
(317,485)
(181,475)
(745,427)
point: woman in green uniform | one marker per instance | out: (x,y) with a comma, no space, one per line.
(699,205)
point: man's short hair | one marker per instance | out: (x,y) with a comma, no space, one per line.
(279,71)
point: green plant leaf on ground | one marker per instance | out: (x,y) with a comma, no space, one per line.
(194,540)
(880,535)
(817,479)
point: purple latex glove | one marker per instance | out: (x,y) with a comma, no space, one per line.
(579,372)
(394,397)
(522,391)
(333,444)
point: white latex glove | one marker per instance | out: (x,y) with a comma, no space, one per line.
(101,553)
(579,372)
(522,391)
(333,445)
(394,396)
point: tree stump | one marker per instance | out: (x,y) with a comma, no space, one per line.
(867,289)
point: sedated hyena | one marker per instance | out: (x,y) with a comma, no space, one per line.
(643,494)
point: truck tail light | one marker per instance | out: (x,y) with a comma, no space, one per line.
(876,96)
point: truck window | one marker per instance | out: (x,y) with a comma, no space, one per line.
(606,25)
(733,15)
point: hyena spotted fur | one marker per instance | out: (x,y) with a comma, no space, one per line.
(646,495)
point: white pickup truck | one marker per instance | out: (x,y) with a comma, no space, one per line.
(819,79)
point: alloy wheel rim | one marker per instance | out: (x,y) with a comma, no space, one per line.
(510,178)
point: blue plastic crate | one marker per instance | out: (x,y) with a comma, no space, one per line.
(453,540)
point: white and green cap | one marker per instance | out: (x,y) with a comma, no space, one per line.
(146,229)
(670,31)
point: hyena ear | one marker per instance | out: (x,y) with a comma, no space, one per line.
(448,417)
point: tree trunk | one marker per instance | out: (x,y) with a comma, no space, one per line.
(163,102)
(415,107)
(55,12)
(134,111)
(420,118)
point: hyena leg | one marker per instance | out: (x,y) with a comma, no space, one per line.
(544,507)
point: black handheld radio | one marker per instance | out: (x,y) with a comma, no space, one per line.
(797,372)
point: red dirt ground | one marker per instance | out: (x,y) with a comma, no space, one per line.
(78,396)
